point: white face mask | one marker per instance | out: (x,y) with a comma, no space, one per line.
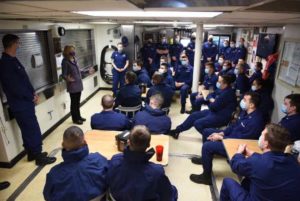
(135,68)
(220,61)
(120,49)
(260,142)
(162,71)
(232,45)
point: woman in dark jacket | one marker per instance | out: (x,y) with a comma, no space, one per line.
(72,76)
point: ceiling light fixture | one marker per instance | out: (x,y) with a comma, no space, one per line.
(162,22)
(149,14)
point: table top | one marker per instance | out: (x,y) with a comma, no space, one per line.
(104,142)
(231,146)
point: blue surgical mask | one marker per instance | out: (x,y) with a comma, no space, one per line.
(236,71)
(206,70)
(218,85)
(253,88)
(224,68)
(135,68)
(243,105)
(260,142)
(184,63)
(284,109)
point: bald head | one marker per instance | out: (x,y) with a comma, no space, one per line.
(107,102)
(73,138)
(139,138)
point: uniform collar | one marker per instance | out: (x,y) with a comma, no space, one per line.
(75,155)
(138,157)
(294,116)
(7,56)
(154,112)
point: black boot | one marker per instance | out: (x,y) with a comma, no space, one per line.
(203,178)
(82,119)
(31,157)
(182,110)
(197,160)
(44,160)
(174,133)
(4,185)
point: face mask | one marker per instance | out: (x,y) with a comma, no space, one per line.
(224,68)
(220,61)
(184,62)
(284,109)
(206,70)
(177,40)
(72,54)
(135,68)
(218,85)
(120,49)
(152,83)
(243,105)
(162,71)
(260,142)
(164,41)
(253,88)
(236,71)
(225,45)
(232,45)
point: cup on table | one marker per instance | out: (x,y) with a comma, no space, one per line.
(159,149)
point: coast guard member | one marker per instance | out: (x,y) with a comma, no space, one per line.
(175,50)
(190,49)
(148,52)
(271,176)
(209,50)
(257,72)
(242,81)
(231,53)
(141,73)
(224,48)
(168,79)
(241,51)
(249,126)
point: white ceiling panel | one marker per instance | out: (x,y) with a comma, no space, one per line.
(11,7)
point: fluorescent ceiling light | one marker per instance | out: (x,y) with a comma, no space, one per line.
(213,25)
(103,22)
(162,22)
(149,14)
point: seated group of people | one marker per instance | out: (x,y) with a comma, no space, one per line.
(84,176)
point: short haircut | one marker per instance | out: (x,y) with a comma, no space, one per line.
(9,39)
(139,138)
(130,77)
(227,62)
(254,98)
(158,98)
(227,79)
(107,101)
(259,81)
(165,65)
(222,56)
(259,65)
(157,78)
(73,138)
(242,39)
(139,62)
(242,66)
(277,136)
(164,58)
(294,101)
(210,65)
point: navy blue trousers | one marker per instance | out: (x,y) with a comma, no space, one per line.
(184,92)
(197,102)
(209,149)
(30,130)
(233,191)
(201,120)
(118,80)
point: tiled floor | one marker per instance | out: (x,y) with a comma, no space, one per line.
(178,169)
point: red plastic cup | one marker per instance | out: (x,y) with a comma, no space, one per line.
(159,152)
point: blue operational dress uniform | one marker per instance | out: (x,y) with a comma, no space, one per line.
(223,50)
(190,52)
(81,176)
(218,114)
(266,105)
(292,124)
(143,77)
(218,67)
(165,90)
(241,52)
(148,51)
(257,74)
(155,65)
(110,120)
(248,126)
(242,83)
(120,59)
(209,49)
(271,176)
(184,74)
(129,96)
(209,83)
(175,51)
(20,94)
(155,120)
(228,71)
(169,80)
(231,54)
(132,177)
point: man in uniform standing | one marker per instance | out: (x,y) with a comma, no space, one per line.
(21,99)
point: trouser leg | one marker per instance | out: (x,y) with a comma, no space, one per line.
(75,106)
(189,122)
(233,191)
